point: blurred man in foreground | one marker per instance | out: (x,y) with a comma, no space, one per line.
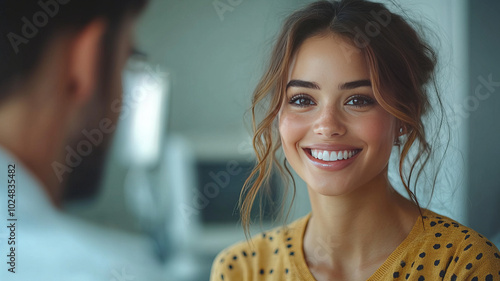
(60,80)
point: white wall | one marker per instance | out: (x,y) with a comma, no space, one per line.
(215,61)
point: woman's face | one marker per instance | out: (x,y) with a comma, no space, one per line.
(334,133)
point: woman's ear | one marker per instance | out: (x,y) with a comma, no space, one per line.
(83,61)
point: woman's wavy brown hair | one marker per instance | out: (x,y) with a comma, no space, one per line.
(401,66)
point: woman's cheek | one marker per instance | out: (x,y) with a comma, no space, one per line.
(378,128)
(293,127)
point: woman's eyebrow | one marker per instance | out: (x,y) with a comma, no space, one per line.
(303,84)
(344,86)
(355,84)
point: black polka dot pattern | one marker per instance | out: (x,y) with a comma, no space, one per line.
(446,239)
(238,258)
(439,249)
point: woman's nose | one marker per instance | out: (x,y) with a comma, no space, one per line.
(329,123)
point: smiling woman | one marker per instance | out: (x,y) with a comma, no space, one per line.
(343,101)
(338,120)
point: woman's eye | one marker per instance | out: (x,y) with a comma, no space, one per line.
(301,100)
(360,101)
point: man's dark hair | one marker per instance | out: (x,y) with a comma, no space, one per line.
(27,26)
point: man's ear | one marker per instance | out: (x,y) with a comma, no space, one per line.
(84,58)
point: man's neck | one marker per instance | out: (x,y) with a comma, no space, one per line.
(31,135)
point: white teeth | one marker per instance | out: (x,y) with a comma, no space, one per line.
(333,156)
(330,156)
(326,156)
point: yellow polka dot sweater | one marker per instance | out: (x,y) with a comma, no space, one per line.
(438,249)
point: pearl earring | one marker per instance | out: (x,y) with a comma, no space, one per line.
(397,141)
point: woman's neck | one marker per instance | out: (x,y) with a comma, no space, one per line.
(357,231)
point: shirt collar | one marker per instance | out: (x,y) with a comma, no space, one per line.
(30,194)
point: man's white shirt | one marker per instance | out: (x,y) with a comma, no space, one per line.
(51,245)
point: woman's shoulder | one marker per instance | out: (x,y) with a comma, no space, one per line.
(249,259)
(462,249)
(439,226)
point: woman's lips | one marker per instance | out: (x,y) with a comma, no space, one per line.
(332,160)
(333,155)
